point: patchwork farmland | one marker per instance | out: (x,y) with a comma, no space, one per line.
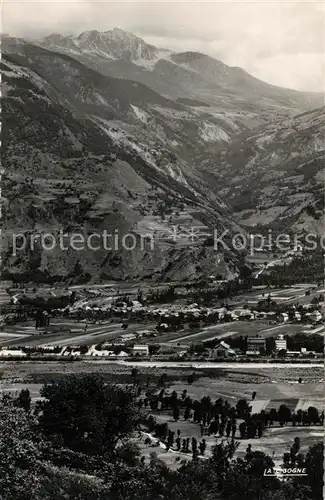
(273,387)
(236,329)
(63,332)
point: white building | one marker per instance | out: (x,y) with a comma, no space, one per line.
(92,351)
(221,351)
(255,346)
(280,343)
(146,333)
(297,316)
(122,354)
(283,318)
(140,350)
(246,314)
(8,353)
(71,352)
(128,337)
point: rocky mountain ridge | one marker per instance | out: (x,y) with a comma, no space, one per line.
(113,44)
(190,75)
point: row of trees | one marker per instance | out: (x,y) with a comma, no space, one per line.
(219,417)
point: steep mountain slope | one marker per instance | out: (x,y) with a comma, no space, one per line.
(86,152)
(275,176)
(90,91)
(82,153)
(174,137)
(190,75)
(237,80)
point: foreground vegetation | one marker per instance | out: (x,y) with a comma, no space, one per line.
(75,444)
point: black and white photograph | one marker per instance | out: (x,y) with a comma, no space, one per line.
(162,292)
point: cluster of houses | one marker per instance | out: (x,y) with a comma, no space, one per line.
(171,318)
(105,351)
(183,313)
(255,347)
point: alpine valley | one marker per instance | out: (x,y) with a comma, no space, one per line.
(102,131)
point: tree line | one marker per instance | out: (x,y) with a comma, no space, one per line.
(77,444)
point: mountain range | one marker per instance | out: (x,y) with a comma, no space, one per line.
(187,75)
(104,131)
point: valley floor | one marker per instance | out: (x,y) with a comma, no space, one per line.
(274,385)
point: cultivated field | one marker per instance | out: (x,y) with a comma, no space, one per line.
(273,388)
(234,329)
(289,295)
(269,394)
(273,385)
(65,332)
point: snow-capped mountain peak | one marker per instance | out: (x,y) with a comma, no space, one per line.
(122,35)
(112,44)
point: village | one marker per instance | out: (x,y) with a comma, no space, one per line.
(261,324)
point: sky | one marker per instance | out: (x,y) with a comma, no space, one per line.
(280,42)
